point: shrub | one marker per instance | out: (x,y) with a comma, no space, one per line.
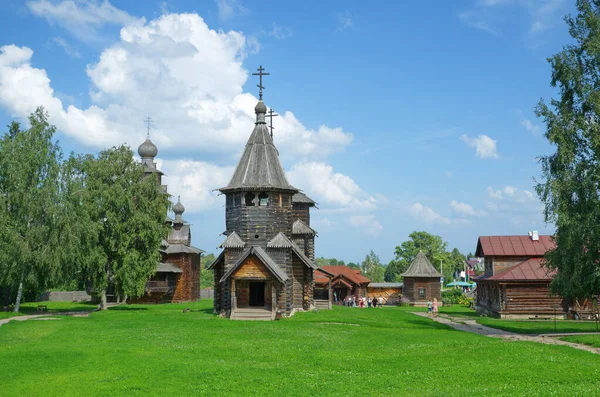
(452,296)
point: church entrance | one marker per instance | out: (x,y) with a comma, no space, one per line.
(257,294)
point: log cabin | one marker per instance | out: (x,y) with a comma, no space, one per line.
(391,293)
(515,283)
(265,270)
(422,281)
(344,281)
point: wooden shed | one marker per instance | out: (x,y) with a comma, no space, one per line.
(422,281)
(390,292)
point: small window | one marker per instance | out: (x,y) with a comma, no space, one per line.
(256,236)
(238,200)
(263,199)
(285,200)
(249,199)
(421,293)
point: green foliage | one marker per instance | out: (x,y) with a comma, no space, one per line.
(122,213)
(145,350)
(207,278)
(30,210)
(353,265)
(329,262)
(452,296)
(572,173)
(434,248)
(372,268)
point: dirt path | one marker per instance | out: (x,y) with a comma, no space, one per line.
(470,325)
(45,316)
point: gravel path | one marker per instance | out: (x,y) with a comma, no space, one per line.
(470,325)
(46,316)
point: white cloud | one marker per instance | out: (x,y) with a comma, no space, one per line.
(228,8)
(195,182)
(491,16)
(280,32)
(529,126)
(83,19)
(427,214)
(485,147)
(69,49)
(175,68)
(327,187)
(368,223)
(465,209)
(345,20)
(511,193)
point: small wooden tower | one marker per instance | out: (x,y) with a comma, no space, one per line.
(422,281)
(266,266)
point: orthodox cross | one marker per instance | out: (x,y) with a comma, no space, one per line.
(270,115)
(148,120)
(260,75)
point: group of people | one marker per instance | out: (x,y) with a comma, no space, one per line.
(432,307)
(361,301)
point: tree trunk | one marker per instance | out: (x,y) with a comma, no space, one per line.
(19,293)
(118,298)
(125,299)
(103,304)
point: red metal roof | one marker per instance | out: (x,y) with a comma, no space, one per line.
(350,274)
(513,246)
(320,277)
(530,270)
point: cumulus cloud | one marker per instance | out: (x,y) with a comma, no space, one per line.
(427,214)
(368,223)
(336,190)
(195,182)
(465,209)
(186,75)
(82,19)
(511,193)
(485,147)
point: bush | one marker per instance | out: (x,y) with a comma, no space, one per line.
(452,296)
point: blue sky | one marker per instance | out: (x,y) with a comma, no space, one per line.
(395,116)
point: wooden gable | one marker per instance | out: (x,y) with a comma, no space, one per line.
(252,269)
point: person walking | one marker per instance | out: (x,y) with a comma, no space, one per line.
(369,301)
(380,302)
(435,307)
(361,302)
(429,308)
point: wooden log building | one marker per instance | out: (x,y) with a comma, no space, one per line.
(266,267)
(422,281)
(342,281)
(177,277)
(515,283)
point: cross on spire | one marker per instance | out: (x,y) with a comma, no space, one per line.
(270,115)
(147,121)
(260,75)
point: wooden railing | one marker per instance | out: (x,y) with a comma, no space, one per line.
(161,286)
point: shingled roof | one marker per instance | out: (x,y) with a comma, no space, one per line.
(530,270)
(303,199)
(259,168)
(264,258)
(233,241)
(421,267)
(513,246)
(300,228)
(348,273)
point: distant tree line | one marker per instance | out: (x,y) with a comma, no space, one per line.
(94,222)
(434,247)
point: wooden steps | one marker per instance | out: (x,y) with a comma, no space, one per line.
(252,314)
(322,304)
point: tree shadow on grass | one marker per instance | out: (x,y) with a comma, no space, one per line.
(127,308)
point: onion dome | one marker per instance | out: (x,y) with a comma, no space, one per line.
(178,209)
(147,149)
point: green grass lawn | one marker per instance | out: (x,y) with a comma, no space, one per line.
(540,326)
(591,340)
(53,307)
(140,350)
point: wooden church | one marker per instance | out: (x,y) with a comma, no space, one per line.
(266,267)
